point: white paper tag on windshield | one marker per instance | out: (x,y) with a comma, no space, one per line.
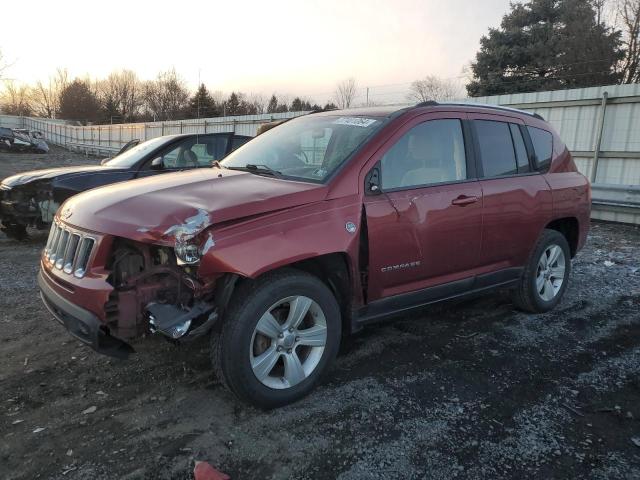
(355,121)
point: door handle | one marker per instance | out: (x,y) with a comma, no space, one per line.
(463,200)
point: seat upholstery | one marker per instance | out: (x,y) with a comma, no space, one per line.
(189,158)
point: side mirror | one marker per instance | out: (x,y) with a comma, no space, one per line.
(372,182)
(157,164)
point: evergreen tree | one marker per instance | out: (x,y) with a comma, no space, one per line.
(299,105)
(202,104)
(79,102)
(272,107)
(545,45)
(232,105)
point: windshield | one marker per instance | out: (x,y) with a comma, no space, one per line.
(130,157)
(307,148)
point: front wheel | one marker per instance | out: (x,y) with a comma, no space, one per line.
(546,275)
(280,334)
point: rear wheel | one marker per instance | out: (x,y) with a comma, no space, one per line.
(545,277)
(280,334)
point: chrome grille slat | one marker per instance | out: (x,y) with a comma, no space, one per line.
(70,253)
(54,244)
(68,250)
(62,245)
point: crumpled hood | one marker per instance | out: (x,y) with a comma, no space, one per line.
(152,209)
(34,175)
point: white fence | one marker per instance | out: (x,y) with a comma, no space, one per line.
(600,125)
(105,139)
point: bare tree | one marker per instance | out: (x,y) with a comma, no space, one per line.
(345,92)
(433,88)
(45,97)
(121,95)
(15,99)
(258,102)
(629,14)
(166,97)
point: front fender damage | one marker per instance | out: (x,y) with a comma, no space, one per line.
(156,283)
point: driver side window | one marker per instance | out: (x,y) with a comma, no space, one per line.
(430,153)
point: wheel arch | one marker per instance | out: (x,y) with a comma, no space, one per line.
(332,269)
(569,227)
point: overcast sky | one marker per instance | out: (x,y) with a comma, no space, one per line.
(296,47)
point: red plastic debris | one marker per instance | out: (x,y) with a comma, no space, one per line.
(204,471)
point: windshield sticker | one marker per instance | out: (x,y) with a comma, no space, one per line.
(355,121)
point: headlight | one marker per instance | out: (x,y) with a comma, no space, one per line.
(187,253)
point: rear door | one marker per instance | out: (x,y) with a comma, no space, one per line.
(517,199)
(424,228)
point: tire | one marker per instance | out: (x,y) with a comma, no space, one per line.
(289,362)
(539,289)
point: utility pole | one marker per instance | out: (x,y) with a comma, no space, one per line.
(367,96)
(198,92)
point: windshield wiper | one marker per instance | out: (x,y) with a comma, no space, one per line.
(258,169)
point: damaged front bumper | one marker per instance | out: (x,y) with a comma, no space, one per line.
(81,323)
(169,320)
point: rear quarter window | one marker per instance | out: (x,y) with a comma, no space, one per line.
(542,145)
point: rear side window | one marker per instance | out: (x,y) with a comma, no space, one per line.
(543,146)
(496,148)
(522,158)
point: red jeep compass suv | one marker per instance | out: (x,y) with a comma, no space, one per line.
(314,229)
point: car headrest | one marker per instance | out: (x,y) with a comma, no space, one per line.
(189,157)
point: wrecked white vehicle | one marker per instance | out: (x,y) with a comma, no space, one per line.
(22,140)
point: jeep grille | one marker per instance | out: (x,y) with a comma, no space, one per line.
(68,250)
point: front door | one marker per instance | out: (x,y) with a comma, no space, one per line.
(425,227)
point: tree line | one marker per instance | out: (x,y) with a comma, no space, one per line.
(539,45)
(559,44)
(122,97)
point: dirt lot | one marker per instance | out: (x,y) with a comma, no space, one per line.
(470,389)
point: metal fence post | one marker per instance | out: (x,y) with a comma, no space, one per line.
(598,142)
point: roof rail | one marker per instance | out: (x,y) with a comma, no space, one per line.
(432,103)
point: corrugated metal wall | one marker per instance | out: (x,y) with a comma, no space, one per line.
(576,115)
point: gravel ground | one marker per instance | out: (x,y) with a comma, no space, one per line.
(468,389)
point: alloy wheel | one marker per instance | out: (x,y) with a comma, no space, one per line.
(551,272)
(288,342)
